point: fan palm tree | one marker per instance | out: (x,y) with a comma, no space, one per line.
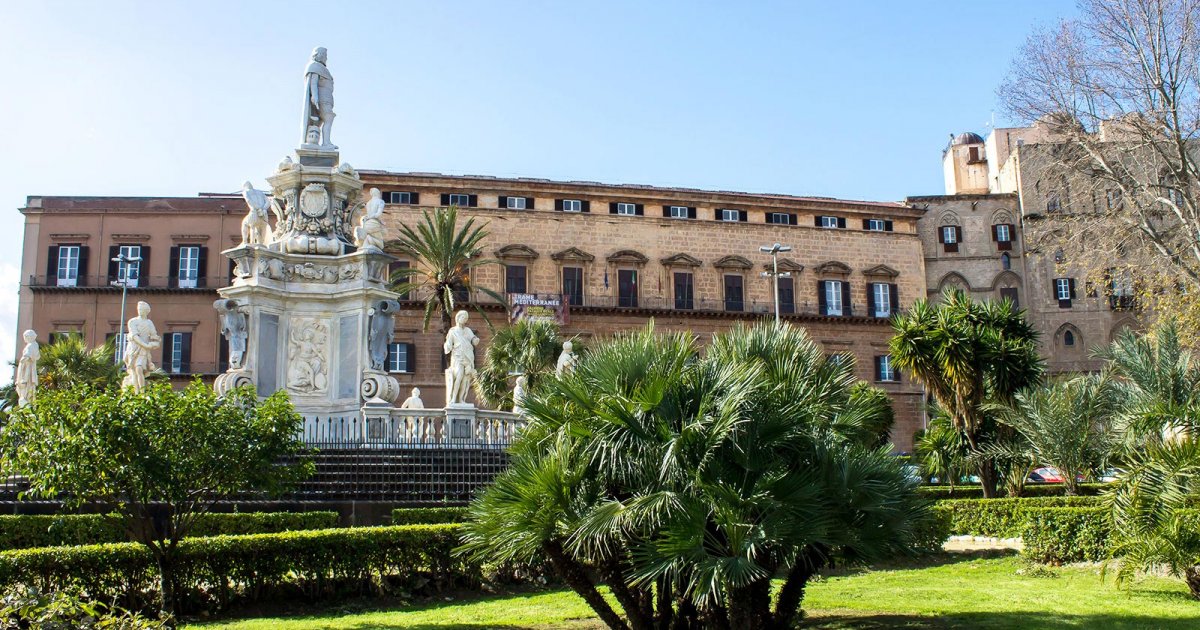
(687,483)
(941,452)
(67,362)
(447,256)
(528,347)
(968,353)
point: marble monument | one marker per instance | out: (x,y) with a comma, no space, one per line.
(141,340)
(26,381)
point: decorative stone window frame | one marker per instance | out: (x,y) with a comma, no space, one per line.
(573,257)
(515,254)
(189,239)
(680,262)
(69,238)
(833,270)
(734,265)
(624,260)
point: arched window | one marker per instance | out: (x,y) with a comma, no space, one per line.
(1068,338)
(1006,261)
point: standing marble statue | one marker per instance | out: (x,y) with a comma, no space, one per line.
(233,328)
(370,232)
(318,103)
(381,332)
(566,360)
(414,400)
(141,339)
(519,394)
(26,381)
(460,345)
(256,228)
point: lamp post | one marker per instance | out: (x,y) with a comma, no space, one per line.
(774,251)
(122,265)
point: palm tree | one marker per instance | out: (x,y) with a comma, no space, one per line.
(967,354)
(941,452)
(1063,424)
(1158,385)
(447,257)
(67,362)
(687,483)
(528,347)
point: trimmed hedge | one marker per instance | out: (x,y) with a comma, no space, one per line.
(428,516)
(1031,490)
(1068,534)
(1003,518)
(26,531)
(216,572)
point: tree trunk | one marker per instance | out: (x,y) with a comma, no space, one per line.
(577,578)
(750,606)
(792,594)
(989,478)
(635,610)
(168,603)
(1191,575)
(665,611)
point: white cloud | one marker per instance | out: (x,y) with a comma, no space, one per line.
(10,287)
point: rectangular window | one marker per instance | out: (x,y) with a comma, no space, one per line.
(400,357)
(881,299)
(572,205)
(878,225)
(406,198)
(1052,202)
(129,271)
(572,279)
(118,341)
(627,209)
(728,214)
(684,293)
(781,218)
(514,279)
(733,293)
(1064,291)
(189,266)
(514,203)
(949,234)
(1003,234)
(1113,198)
(177,352)
(462,201)
(68,265)
(627,289)
(832,297)
(787,295)
(679,212)
(885,372)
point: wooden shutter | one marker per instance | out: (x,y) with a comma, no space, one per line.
(878,368)
(870,299)
(894,296)
(717,214)
(941,234)
(113,252)
(445,199)
(995,233)
(793,219)
(223,353)
(529,203)
(472,200)
(1071,287)
(412,357)
(414,198)
(887,226)
(821,302)
(144,266)
(587,206)
(558,204)
(841,222)
(173,268)
(52,266)
(185,353)
(817,220)
(639,209)
(666,212)
(742,216)
(502,202)
(202,268)
(691,212)
(846,297)
(612,207)
(83,266)
(866,224)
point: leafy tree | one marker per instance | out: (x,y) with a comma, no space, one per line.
(447,257)
(160,458)
(688,483)
(529,347)
(941,452)
(1063,424)
(968,354)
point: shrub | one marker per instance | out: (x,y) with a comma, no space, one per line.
(428,516)
(215,572)
(1068,534)
(26,608)
(932,530)
(26,531)
(1004,518)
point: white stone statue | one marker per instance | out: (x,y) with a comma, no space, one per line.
(234,329)
(414,401)
(141,338)
(566,360)
(519,394)
(256,228)
(307,372)
(370,232)
(318,103)
(26,381)
(460,345)
(381,331)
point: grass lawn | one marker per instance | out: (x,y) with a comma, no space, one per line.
(953,591)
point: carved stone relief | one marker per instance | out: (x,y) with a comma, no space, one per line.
(308,356)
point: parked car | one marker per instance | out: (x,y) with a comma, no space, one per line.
(1110,475)
(1045,474)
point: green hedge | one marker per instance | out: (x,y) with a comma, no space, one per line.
(215,572)
(26,531)
(428,516)
(1003,518)
(1031,490)
(1068,534)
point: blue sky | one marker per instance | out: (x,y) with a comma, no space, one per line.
(842,99)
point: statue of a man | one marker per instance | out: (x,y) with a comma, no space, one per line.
(413,401)
(233,328)
(26,381)
(318,102)
(256,228)
(370,232)
(460,345)
(381,331)
(140,339)
(519,394)
(566,360)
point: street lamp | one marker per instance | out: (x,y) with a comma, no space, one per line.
(774,251)
(122,270)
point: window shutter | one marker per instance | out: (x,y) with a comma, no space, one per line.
(666,212)
(502,202)
(414,198)
(995,233)
(742,216)
(942,234)
(817,220)
(612,207)
(821,302)
(472,200)
(717,214)
(1012,232)
(445,199)
(83,266)
(185,353)
(870,299)
(842,222)
(894,296)
(846,310)
(895,374)
(52,266)
(222,353)
(866,224)
(202,268)
(1004,245)
(958,233)
(113,252)
(558,204)
(879,368)
(887,226)
(144,266)
(587,206)
(691,212)
(173,268)
(793,219)
(529,203)
(167,348)
(639,210)
(1071,287)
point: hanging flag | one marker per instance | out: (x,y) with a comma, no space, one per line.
(606,278)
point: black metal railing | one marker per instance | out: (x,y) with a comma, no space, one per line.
(113,283)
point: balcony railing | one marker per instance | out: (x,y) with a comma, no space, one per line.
(143,282)
(414,428)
